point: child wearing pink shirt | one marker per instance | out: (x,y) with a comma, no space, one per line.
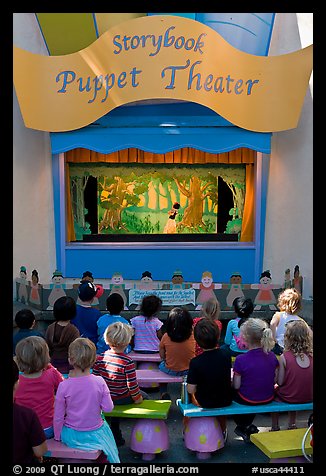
(39,380)
(79,402)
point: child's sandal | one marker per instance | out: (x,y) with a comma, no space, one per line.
(292,427)
(276,428)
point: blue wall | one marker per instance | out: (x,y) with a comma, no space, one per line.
(162,263)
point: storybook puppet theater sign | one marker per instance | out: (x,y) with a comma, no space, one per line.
(162,57)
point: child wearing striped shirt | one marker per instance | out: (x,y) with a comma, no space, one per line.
(118,371)
(147,326)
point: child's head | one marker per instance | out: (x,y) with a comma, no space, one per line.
(150,305)
(82,353)
(298,337)
(32,354)
(114,303)
(243,307)
(64,309)
(179,324)
(118,335)
(257,333)
(289,301)
(206,334)
(25,319)
(87,291)
(211,309)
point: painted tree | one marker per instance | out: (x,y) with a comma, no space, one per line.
(117,193)
(78,185)
(196,190)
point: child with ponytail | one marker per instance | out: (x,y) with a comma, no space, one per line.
(254,373)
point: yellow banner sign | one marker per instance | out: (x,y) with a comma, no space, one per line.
(161,57)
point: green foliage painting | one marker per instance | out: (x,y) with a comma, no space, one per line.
(137,199)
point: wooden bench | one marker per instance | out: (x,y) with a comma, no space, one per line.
(155,376)
(235,408)
(57,449)
(204,429)
(140,357)
(283,446)
(149,435)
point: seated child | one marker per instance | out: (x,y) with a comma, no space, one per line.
(29,440)
(25,321)
(289,303)
(177,346)
(79,402)
(243,308)
(211,309)
(147,327)
(114,304)
(87,315)
(61,333)
(295,375)
(39,380)
(209,374)
(254,373)
(118,371)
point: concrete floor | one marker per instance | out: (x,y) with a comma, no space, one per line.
(235,450)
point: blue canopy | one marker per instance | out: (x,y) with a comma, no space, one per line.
(161,128)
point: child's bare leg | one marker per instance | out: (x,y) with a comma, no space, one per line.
(292,420)
(275,426)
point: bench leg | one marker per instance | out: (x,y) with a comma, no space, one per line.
(149,437)
(203,435)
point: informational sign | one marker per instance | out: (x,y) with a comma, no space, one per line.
(161,57)
(170,297)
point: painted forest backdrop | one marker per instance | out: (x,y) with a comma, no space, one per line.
(136,199)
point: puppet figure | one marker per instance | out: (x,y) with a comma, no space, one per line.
(57,288)
(297,281)
(265,295)
(22,290)
(206,289)
(287,279)
(117,286)
(171,226)
(235,289)
(34,297)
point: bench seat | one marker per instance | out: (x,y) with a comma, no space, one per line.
(153,409)
(191,410)
(155,376)
(282,444)
(139,357)
(57,449)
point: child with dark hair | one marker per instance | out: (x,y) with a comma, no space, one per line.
(39,380)
(177,346)
(243,308)
(211,309)
(61,333)
(86,315)
(147,327)
(115,305)
(25,320)
(29,440)
(209,375)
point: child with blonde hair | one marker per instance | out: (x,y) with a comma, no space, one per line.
(119,371)
(39,380)
(79,402)
(289,303)
(254,373)
(211,309)
(295,376)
